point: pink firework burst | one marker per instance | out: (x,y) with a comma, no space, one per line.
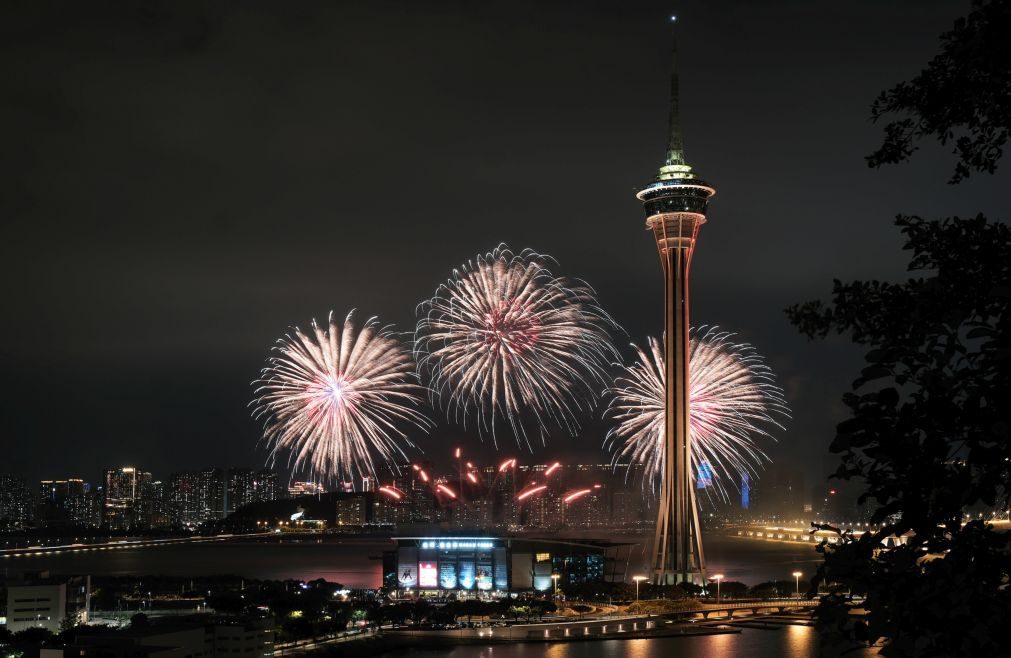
(335,399)
(733,401)
(504,337)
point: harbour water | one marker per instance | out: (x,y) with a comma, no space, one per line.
(355,562)
(786,642)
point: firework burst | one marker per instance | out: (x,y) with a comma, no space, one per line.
(733,400)
(334,399)
(506,338)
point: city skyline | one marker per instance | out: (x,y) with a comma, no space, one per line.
(124,496)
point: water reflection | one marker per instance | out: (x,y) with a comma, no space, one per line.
(792,641)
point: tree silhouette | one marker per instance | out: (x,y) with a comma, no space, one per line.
(928,433)
(963,96)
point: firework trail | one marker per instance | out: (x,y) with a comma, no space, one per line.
(732,396)
(506,338)
(334,398)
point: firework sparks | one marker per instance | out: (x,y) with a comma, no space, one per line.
(732,396)
(392,492)
(334,398)
(446,490)
(535,488)
(505,337)
(575,495)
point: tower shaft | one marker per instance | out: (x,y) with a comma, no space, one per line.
(677,554)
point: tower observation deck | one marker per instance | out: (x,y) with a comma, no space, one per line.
(675,204)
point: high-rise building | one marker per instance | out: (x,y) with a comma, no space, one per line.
(301,488)
(197,496)
(591,510)
(85,511)
(68,502)
(627,506)
(265,486)
(15,502)
(675,204)
(121,494)
(213,491)
(185,506)
(241,488)
(152,503)
(352,511)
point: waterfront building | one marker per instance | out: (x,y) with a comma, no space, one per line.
(181,638)
(44,601)
(496,566)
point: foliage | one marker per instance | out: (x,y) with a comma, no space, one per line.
(599,591)
(69,623)
(964,91)
(661,606)
(731,589)
(773,589)
(227,602)
(531,609)
(471,608)
(928,436)
(31,637)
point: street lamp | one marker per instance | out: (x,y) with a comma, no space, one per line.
(718,577)
(638,579)
(797,575)
(555,577)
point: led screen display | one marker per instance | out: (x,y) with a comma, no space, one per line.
(466,574)
(428,575)
(447,575)
(483,576)
(407,567)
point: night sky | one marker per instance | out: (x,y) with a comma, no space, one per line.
(184,181)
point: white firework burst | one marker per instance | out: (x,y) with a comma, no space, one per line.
(336,399)
(733,400)
(504,337)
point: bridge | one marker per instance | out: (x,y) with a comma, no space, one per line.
(776,605)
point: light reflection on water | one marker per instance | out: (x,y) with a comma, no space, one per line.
(790,642)
(787,642)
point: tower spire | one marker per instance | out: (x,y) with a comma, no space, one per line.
(675,165)
(675,143)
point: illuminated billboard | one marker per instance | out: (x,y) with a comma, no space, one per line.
(428,575)
(447,575)
(501,569)
(483,576)
(407,571)
(466,570)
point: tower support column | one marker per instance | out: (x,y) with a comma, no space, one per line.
(677,548)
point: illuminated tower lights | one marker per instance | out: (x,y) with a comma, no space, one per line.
(675,205)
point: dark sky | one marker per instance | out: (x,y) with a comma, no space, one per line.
(183,181)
